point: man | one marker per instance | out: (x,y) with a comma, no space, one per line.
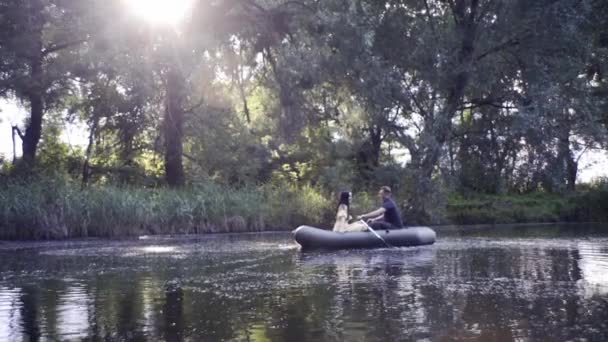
(387,216)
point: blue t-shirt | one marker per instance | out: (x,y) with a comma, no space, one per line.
(391,215)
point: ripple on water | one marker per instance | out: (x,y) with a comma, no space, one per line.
(593,262)
(10,314)
(73,312)
(472,288)
(169,248)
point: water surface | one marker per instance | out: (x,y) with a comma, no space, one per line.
(498,284)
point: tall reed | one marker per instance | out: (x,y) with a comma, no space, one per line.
(58,208)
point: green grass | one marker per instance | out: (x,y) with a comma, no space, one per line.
(58,208)
(585,206)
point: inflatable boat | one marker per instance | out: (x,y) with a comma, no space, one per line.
(315,238)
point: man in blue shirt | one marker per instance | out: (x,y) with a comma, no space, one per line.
(387,216)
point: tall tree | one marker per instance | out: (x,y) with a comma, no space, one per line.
(37,42)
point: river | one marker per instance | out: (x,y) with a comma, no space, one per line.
(546,283)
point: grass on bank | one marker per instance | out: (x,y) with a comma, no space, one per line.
(59,208)
(56,207)
(589,205)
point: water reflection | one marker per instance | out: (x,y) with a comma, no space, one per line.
(261,288)
(593,262)
(10,316)
(73,313)
(158,249)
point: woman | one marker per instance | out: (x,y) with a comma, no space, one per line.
(342,216)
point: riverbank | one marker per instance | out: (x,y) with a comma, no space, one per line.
(58,208)
(587,205)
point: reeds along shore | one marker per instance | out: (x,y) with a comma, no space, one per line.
(57,208)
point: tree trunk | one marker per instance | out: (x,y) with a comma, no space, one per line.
(438,127)
(572,172)
(451,155)
(499,158)
(568,166)
(368,156)
(33,131)
(173,127)
(376,145)
(34,128)
(86,169)
(35,93)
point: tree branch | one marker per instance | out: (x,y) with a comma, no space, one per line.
(57,47)
(430,18)
(487,104)
(196,106)
(473,7)
(404,139)
(422,110)
(476,103)
(514,41)
(21,135)
(191,158)
(581,155)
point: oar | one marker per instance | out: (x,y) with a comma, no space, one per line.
(376,234)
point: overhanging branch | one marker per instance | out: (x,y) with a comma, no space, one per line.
(493,102)
(58,47)
(16,129)
(514,41)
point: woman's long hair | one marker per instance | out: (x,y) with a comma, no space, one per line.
(342,214)
(345,197)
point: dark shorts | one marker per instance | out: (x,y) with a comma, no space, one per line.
(383,225)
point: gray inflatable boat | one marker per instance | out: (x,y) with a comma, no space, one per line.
(315,238)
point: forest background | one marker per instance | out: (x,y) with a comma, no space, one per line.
(247,115)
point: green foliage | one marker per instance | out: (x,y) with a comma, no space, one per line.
(56,207)
(484,96)
(54,154)
(222,149)
(585,206)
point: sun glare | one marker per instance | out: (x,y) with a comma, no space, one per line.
(165,12)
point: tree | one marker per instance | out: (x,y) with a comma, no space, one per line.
(38,40)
